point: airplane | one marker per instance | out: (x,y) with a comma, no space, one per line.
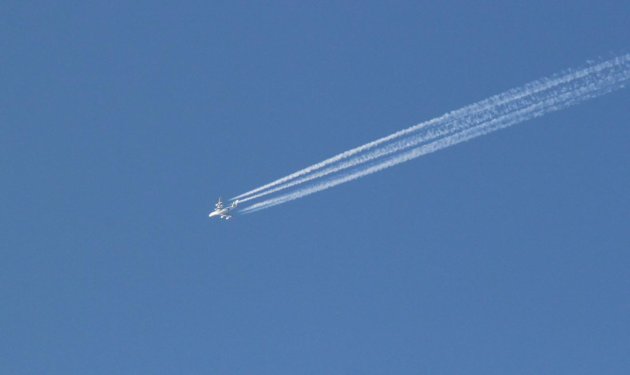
(221,211)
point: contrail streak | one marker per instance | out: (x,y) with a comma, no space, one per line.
(432,129)
(500,111)
(483,109)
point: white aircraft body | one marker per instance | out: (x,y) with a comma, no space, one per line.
(223,212)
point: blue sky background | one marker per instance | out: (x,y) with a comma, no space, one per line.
(122,122)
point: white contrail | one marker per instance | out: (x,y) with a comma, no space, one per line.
(477,112)
(569,89)
(435,129)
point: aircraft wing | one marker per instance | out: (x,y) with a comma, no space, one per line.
(218,205)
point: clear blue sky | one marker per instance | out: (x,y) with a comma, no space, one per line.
(122,122)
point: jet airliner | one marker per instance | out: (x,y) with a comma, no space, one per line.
(223,212)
